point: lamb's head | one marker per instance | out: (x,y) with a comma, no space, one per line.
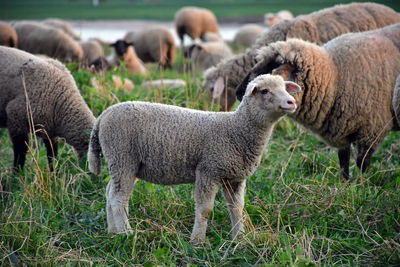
(121,47)
(271,95)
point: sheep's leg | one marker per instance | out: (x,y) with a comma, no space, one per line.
(118,192)
(20,148)
(344,160)
(364,157)
(52,150)
(204,194)
(234,196)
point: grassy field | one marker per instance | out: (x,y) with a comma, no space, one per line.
(158,10)
(297,210)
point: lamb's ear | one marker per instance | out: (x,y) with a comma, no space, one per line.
(219,87)
(251,88)
(292,87)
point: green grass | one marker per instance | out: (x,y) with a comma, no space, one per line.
(158,10)
(297,211)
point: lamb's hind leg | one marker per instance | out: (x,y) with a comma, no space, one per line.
(118,192)
(234,196)
(204,194)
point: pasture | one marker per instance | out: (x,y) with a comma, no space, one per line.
(298,211)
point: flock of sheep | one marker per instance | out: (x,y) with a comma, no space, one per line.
(334,71)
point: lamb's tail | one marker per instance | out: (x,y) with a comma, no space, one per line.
(94,154)
(396,102)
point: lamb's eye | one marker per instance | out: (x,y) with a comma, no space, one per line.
(264,91)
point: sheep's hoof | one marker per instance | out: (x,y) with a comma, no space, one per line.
(127,231)
(197,241)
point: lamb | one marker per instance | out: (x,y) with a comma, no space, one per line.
(62,25)
(271,19)
(8,36)
(205,55)
(37,38)
(348,87)
(247,35)
(56,108)
(125,52)
(195,22)
(169,145)
(92,51)
(154,44)
(318,27)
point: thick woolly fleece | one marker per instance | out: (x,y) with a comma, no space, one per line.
(348,87)
(318,27)
(37,38)
(154,44)
(62,25)
(56,106)
(195,22)
(8,36)
(168,145)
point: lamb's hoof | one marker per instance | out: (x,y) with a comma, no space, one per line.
(197,241)
(127,231)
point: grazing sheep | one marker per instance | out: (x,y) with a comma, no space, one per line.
(211,37)
(195,22)
(271,19)
(8,36)
(170,145)
(125,52)
(396,101)
(205,55)
(318,27)
(62,25)
(247,35)
(56,108)
(154,44)
(37,38)
(348,87)
(92,51)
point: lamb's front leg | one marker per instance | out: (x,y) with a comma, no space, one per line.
(205,190)
(118,193)
(234,196)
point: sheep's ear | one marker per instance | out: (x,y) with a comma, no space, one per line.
(219,87)
(251,89)
(292,87)
(112,44)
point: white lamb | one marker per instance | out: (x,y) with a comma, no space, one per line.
(168,145)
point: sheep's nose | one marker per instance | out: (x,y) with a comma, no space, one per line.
(291,102)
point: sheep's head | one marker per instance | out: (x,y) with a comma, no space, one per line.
(270,93)
(121,47)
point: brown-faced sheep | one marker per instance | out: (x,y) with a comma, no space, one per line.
(56,108)
(318,27)
(62,25)
(205,55)
(154,44)
(195,22)
(37,38)
(247,35)
(347,86)
(271,19)
(166,144)
(123,51)
(8,36)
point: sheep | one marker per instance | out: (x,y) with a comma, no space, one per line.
(62,25)
(169,145)
(396,101)
(92,51)
(37,38)
(348,87)
(8,36)
(39,95)
(125,52)
(271,19)
(195,22)
(211,37)
(154,44)
(247,35)
(318,27)
(207,54)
